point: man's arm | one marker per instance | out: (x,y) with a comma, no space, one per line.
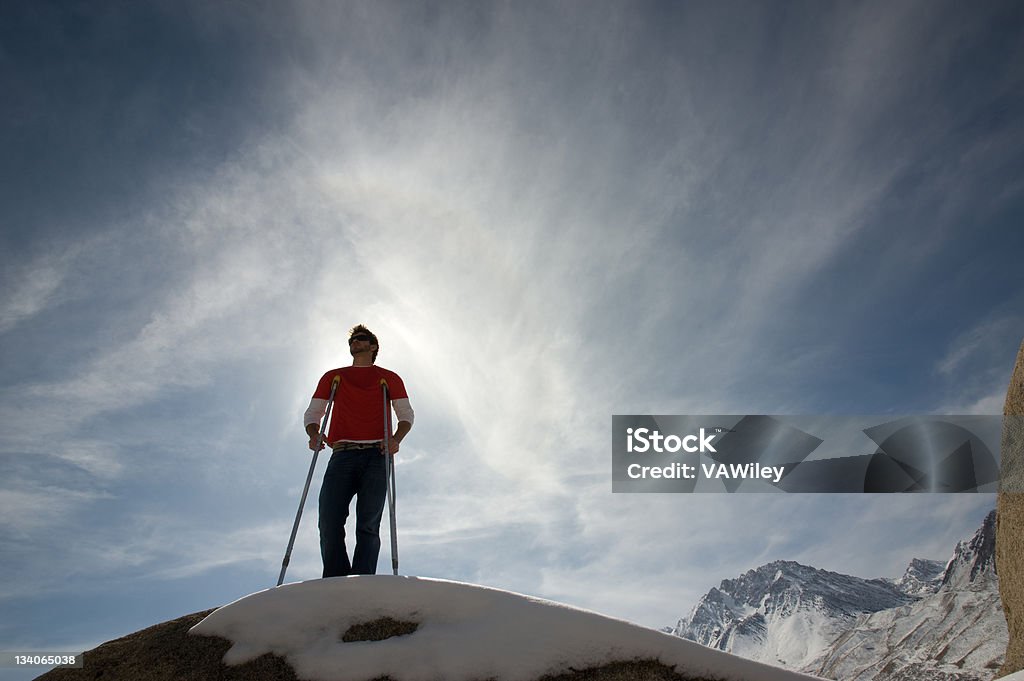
(312,417)
(403,429)
(405,418)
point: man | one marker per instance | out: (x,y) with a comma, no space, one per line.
(357,466)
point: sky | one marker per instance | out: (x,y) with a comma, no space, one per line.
(549,213)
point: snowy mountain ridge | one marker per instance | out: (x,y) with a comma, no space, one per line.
(784,612)
(938,621)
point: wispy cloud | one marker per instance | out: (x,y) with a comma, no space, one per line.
(977,341)
(977,365)
(29,297)
(29,288)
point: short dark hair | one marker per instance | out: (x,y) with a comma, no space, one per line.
(359,328)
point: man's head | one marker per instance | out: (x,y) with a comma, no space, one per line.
(360,339)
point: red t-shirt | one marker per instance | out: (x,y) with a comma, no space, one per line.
(358,411)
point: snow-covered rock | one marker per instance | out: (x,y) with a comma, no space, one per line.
(973,565)
(462,632)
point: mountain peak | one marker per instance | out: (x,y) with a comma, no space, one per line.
(784,611)
(922,577)
(973,564)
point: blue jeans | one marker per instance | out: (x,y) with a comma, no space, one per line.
(351,473)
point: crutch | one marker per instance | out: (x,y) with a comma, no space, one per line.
(309,478)
(389,465)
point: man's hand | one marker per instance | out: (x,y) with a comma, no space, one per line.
(313,432)
(403,429)
(314,437)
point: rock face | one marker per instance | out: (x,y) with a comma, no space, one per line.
(1010,518)
(973,561)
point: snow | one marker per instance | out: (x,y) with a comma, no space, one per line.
(799,639)
(465,632)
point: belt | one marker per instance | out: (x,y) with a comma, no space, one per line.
(347,446)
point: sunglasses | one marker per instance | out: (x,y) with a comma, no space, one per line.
(361,337)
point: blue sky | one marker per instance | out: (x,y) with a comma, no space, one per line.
(549,213)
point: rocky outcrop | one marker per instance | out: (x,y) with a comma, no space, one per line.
(165,652)
(1010,518)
